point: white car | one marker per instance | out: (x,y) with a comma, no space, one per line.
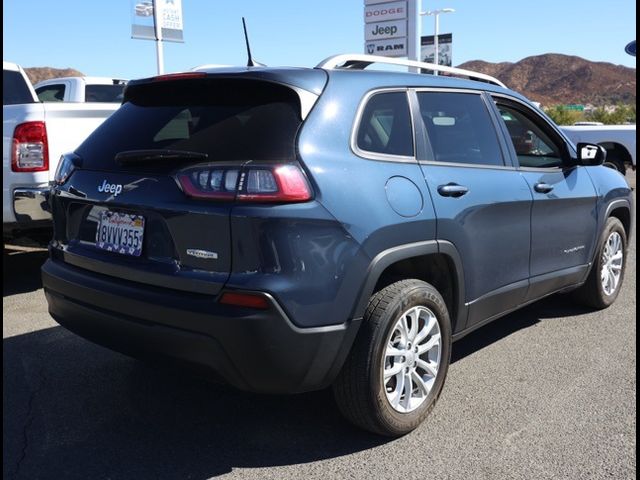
(144,9)
(618,140)
(34,136)
(81,89)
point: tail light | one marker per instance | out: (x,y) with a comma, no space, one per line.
(66,166)
(178,76)
(283,183)
(30,151)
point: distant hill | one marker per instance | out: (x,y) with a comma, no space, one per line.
(550,79)
(553,79)
(38,74)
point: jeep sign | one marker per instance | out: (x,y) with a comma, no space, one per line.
(385,11)
(384,30)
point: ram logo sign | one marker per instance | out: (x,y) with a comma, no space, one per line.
(396,47)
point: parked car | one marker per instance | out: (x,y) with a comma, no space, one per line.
(291,229)
(81,89)
(144,9)
(618,140)
(34,137)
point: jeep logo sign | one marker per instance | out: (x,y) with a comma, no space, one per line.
(385,11)
(384,30)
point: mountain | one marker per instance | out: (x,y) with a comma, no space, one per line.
(38,74)
(563,79)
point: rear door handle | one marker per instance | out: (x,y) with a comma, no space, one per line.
(543,187)
(452,190)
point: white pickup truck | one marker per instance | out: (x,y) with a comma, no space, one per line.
(34,136)
(618,140)
(81,89)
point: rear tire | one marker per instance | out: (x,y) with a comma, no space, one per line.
(607,273)
(367,391)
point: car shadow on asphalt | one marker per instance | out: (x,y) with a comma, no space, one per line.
(21,271)
(555,306)
(76,410)
(72,409)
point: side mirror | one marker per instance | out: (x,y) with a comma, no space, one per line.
(591,155)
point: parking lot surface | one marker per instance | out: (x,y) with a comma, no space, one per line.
(546,392)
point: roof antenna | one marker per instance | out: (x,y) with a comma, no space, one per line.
(250,61)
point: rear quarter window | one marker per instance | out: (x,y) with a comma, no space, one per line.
(385,125)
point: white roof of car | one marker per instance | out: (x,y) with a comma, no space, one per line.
(86,80)
(10,66)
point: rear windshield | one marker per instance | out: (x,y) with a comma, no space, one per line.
(104,93)
(14,88)
(226,119)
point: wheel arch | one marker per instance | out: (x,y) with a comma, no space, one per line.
(621,210)
(436,262)
(618,151)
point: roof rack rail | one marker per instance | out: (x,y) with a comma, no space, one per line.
(357,61)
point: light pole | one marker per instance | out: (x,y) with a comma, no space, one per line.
(436,14)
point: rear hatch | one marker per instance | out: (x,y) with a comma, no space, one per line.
(151,191)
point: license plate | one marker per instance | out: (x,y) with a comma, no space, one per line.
(120,233)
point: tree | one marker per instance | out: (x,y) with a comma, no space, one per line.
(619,115)
(562,116)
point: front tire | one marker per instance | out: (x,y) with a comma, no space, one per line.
(616,164)
(607,273)
(399,360)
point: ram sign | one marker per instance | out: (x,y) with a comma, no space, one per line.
(385,28)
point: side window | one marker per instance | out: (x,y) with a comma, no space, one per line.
(533,146)
(104,93)
(14,88)
(51,93)
(459,128)
(385,125)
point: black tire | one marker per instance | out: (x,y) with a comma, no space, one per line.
(592,292)
(359,389)
(616,164)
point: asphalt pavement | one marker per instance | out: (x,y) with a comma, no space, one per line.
(548,392)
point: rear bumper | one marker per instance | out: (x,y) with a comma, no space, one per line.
(28,214)
(255,350)
(30,204)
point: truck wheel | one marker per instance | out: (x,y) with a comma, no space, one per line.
(605,279)
(399,360)
(616,164)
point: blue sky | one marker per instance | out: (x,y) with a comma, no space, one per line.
(93,36)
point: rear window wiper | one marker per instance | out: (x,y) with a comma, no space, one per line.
(142,156)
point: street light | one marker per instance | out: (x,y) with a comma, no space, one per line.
(436,14)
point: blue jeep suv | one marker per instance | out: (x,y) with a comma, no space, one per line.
(286,230)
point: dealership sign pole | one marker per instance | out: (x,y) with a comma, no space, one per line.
(159,20)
